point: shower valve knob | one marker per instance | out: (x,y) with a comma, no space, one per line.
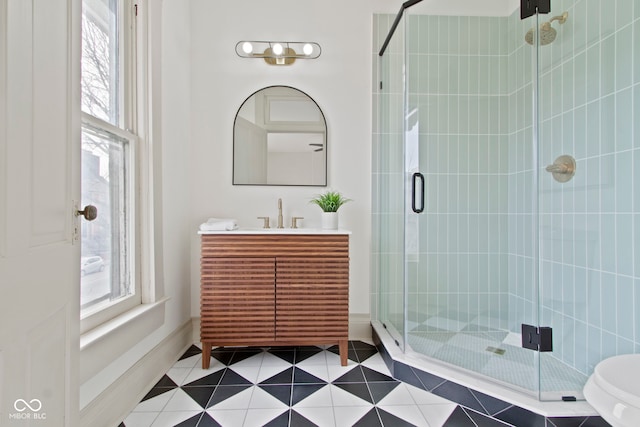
(563,168)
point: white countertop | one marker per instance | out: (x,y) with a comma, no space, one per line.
(278,231)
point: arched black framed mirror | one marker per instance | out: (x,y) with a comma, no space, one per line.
(280,138)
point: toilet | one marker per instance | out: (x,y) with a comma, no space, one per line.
(614,390)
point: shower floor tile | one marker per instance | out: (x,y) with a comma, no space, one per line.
(490,352)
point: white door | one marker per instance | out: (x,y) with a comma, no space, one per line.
(39,179)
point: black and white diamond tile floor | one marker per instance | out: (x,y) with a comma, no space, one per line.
(292,386)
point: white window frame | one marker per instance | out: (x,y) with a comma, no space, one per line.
(132,51)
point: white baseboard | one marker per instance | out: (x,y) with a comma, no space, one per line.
(122,396)
(195,329)
(359,327)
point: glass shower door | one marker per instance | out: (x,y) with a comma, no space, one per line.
(589,228)
(388,176)
(471,254)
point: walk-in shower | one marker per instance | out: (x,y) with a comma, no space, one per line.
(478,250)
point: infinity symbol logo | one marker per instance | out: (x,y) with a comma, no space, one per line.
(21,405)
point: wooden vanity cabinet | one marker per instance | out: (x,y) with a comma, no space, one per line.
(274,289)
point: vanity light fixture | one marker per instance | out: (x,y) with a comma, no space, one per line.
(278,53)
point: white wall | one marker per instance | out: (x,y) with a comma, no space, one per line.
(466,7)
(339,81)
(176,137)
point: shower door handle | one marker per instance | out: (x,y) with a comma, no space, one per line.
(417,180)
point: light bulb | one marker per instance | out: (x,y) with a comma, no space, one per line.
(247,47)
(277,49)
(307,49)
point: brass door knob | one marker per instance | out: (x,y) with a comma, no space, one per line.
(89,212)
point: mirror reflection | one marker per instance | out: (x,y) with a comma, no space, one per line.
(279,138)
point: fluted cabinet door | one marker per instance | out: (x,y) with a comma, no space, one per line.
(238,300)
(312,298)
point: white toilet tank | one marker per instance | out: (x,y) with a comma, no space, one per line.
(614,390)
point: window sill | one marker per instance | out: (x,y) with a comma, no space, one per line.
(102,345)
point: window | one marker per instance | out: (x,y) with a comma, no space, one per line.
(110,149)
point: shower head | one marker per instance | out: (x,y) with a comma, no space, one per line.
(547,33)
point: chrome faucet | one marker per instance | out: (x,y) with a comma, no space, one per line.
(280,225)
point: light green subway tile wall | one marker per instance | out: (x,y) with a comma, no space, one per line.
(607,18)
(461,94)
(636,49)
(623,120)
(588,225)
(624,12)
(607,66)
(637,297)
(624,60)
(474,98)
(636,189)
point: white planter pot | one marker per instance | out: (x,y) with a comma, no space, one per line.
(329,220)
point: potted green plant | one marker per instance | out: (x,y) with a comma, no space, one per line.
(330,202)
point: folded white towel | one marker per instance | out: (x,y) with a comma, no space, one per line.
(219,224)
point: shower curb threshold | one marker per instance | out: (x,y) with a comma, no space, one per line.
(476,393)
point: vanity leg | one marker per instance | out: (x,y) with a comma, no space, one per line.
(206,355)
(344,351)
